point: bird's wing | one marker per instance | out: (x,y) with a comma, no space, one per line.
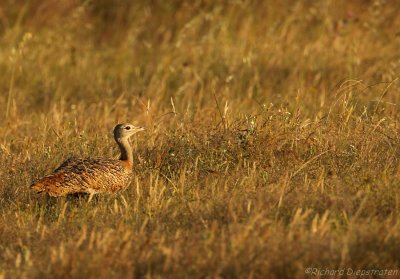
(66,163)
(89,175)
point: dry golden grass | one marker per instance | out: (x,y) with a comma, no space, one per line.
(272,143)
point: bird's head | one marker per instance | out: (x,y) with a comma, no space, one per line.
(125,130)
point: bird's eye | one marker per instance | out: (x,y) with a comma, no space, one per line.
(127,128)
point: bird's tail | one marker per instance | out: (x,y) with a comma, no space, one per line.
(38,187)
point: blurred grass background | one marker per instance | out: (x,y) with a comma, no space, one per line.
(272,140)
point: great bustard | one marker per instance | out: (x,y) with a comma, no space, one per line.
(93,175)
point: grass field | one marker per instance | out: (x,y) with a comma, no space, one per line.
(272,142)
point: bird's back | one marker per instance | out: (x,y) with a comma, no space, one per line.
(89,175)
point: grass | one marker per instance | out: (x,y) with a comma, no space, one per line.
(272,141)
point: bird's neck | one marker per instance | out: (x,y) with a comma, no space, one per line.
(126,150)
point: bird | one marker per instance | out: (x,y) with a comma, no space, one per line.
(93,175)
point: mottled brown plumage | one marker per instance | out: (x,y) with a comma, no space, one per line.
(93,175)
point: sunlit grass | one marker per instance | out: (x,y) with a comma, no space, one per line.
(271,144)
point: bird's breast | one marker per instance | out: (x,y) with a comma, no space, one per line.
(127,165)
